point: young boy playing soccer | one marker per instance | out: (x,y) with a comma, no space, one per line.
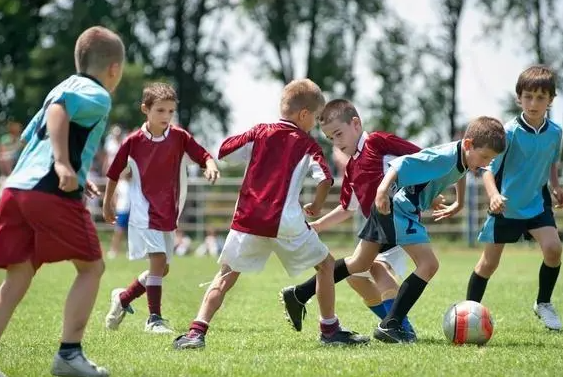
(420,177)
(269,217)
(369,154)
(42,215)
(156,155)
(520,201)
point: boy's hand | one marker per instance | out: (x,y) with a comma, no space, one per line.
(445,211)
(497,203)
(315,226)
(439,203)
(558,193)
(109,212)
(382,203)
(91,190)
(211,173)
(68,181)
(311,209)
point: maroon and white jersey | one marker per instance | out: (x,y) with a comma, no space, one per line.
(279,157)
(366,168)
(159,177)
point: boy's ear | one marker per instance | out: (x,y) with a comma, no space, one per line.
(357,123)
(144,109)
(518,100)
(467,144)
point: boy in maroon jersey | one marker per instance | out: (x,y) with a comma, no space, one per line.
(369,154)
(268,217)
(157,155)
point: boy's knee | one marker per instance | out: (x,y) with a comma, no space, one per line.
(94,269)
(552,253)
(327,265)
(429,267)
(166,270)
(378,267)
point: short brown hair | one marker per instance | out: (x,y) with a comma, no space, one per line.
(299,95)
(96,49)
(338,109)
(486,132)
(158,91)
(537,77)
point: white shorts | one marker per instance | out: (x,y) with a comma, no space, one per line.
(146,241)
(245,252)
(396,258)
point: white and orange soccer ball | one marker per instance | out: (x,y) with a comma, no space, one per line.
(468,322)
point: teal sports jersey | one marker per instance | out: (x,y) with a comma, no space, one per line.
(522,170)
(422,176)
(87,104)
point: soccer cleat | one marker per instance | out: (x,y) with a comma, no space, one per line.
(547,313)
(295,311)
(77,366)
(411,334)
(393,335)
(193,339)
(116,312)
(157,325)
(343,337)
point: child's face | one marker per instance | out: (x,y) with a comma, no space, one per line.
(476,158)
(159,114)
(343,135)
(535,104)
(115,72)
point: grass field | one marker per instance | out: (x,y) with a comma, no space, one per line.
(249,336)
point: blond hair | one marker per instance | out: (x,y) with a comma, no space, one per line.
(299,95)
(96,49)
(158,91)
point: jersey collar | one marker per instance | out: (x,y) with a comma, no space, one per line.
(149,136)
(527,127)
(82,74)
(360,145)
(460,166)
(288,123)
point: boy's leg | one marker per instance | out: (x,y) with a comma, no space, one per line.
(15,285)
(487,265)
(120,300)
(550,244)
(70,359)
(212,301)
(294,298)
(157,267)
(389,330)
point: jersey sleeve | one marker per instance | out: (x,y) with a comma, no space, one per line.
(424,166)
(85,106)
(495,164)
(557,152)
(196,152)
(119,163)
(389,144)
(318,166)
(348,199)
(238,148)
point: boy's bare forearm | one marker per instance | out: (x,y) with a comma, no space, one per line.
(323,189)
(334,217)
(58,124)
(554,175)
(460,191)
(490,184)
(110,190)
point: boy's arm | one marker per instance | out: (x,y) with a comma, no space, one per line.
(448,211)
(323,188)
(238,148)
(321,174)
(108,208)
(382,197)
(334,217)
(117,166)
(496,200)
(58,124)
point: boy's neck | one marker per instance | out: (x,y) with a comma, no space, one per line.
(97,78)
(155,131)
(534,123)
(292,120)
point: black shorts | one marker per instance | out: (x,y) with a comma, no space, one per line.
(374,232)
(499,229)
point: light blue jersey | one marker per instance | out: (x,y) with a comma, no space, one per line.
(87,104)
(422,176)
(523,169)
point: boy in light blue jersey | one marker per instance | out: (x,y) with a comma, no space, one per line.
(420,178)
(517,185)
(42,215)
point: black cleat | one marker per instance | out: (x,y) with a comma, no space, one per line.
(393,335)
(295,311)
(343,337)
(193,339)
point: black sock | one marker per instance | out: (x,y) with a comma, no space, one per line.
(548,278)
(305,291)
(476,287)
(409,292)
(67,350)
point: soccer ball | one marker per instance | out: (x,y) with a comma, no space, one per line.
(468,322)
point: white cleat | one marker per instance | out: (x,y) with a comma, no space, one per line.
(116,311)
(78,366)
(157,325)
(547,313)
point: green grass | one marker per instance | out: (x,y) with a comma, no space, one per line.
(249,336)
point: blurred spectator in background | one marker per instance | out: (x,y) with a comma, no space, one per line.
(10,146)
(212,244)
(182,243)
